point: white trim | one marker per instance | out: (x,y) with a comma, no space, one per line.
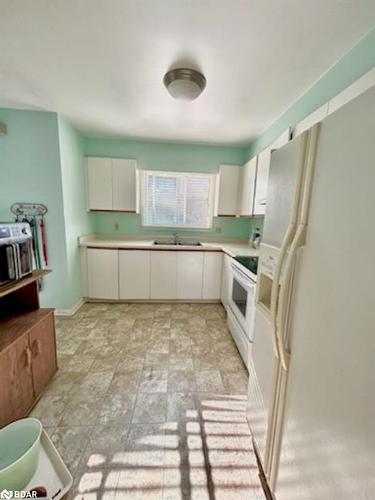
(352,91)
(72,311)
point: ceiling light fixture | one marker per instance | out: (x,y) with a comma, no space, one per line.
(184,83)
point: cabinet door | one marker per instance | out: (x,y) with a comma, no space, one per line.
(99,178)
(163,274)
(212,275)
(189,275)
(248,187)
(261,183)
(16,387)
(229,190)
(102,273)
(134,274)
(43,350)
(124,184)
(225,282)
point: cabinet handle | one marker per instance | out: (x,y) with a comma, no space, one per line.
(36,348)
(28,356)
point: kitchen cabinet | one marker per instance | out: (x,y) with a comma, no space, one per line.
(112,184)
(163,280)
(189,274)
(226,281)
(248,176)
(102,273)
(212,272)
(229,180)
(43,353)
(99,181)
(134,274)
(28,358)
(260,197)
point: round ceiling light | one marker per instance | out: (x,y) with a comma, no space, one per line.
(184,83)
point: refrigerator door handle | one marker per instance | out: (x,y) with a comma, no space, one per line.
(276,285)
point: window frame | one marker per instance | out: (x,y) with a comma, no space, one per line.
(213,182)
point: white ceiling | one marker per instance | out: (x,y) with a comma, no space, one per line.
(101,62)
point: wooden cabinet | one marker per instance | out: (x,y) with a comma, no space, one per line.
(225,281)
(112,184)
(102,273)
(189,274)
(134,274)
(212,275)
(228,195)
(27,348)
(247,184)
(99,180)
(43,353)
(163,280)
(260,197)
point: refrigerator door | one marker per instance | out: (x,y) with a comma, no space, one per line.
(283,190)
(328,446)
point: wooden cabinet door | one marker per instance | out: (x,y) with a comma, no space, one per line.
(16,387)
(229,190)
(102,273)
(212,275)
(163,274)
(134,274)
(189,274)
(99,179)
(43,353)
(124,184)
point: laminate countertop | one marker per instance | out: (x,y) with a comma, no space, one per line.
(230,247)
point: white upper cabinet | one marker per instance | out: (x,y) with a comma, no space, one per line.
(247,186)
(134,274)
(229,180)
(189,275)
(212,272)
(124,185)
(112,184)
(163,281)
(263,167)
(102,273)
(99,179)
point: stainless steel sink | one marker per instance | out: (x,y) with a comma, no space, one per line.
(177,243)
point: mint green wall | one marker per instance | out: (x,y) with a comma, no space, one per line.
(76,218)
(30,172)
(174,157)
(358,61)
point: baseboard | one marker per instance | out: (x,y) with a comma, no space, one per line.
(70,312)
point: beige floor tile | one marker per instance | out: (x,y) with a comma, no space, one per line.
(96,382)
(70,443)
(181,361)
(150,408)
(182,407)
(49,410)
(125,381)
(117,409)
(209,381)
(75,363)
(156,360)
(181,381)
(81,409)
(153,380)
(235,382)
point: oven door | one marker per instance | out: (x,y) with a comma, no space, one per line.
(8,264)
(241,300)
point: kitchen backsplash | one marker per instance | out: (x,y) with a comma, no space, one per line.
(131,224)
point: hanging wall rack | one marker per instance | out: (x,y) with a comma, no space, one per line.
(28,210)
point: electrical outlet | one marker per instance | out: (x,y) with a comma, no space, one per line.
(116,226)
(218,229)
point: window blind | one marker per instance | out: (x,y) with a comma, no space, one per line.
(174,199)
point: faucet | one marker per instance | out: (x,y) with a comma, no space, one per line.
(176,238)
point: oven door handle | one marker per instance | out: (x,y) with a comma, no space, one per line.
(245,281)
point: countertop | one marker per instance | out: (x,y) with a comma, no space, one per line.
(230,247)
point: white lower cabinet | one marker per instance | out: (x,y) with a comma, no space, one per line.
(189,275)
(134,274)
(212,271)
(102,273)
(225,281)
(163,282)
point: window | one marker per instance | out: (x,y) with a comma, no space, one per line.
(174,199)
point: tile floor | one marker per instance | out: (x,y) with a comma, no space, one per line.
(149,403)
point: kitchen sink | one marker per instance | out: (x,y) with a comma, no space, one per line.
(177,243)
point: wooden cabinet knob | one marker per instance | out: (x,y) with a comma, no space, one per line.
(36,347)
(28,356)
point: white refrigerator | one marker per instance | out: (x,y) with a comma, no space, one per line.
(311,404)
